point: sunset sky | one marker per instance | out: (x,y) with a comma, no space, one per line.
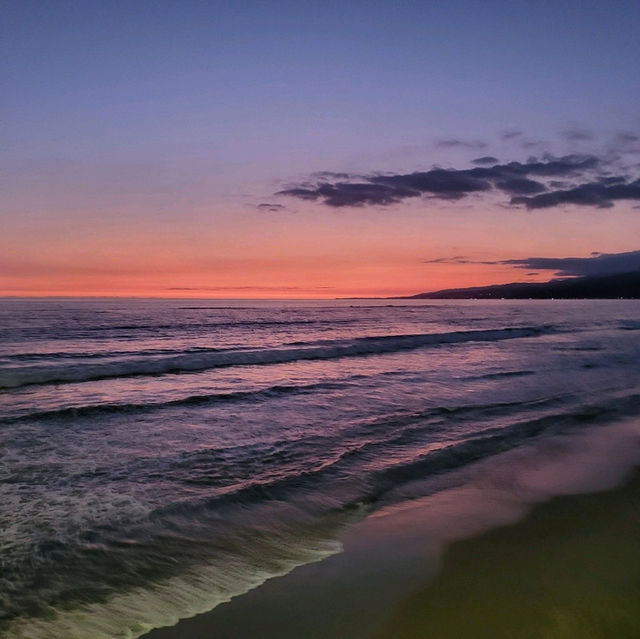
(314,149)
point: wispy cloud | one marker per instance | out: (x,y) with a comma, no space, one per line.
(270,208)
(236,288)
(485,159)
(510,134)
(577,135)
(465,144)
(457,259)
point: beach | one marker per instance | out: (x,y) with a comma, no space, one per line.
(288,469)
(445,566)
(320,320)
(570,570)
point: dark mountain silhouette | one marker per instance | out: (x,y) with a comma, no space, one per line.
(620,285)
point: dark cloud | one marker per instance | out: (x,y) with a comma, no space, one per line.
(595,264)
(538,183)
(577,135)
(589,194)
(521,186)
(608,180)
(445,183)
(273,208)
(466,144)
(556,167)
(513,179)
(301,193)
(331,175)
(353,194)
(598,264)
(485,159)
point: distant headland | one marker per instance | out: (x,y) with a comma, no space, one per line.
(619,285)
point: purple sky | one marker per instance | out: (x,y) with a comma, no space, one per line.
(276,147)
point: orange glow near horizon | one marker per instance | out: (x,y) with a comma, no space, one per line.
(312,152)
(309,254)
(337,281)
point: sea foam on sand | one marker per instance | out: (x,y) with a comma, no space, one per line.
(363,592)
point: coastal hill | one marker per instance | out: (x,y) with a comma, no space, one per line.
(620,285)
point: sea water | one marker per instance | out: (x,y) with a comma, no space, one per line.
(159,457)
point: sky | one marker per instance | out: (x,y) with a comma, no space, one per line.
(315,149)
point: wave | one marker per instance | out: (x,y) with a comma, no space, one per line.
(132,329)
(272,392)
(128,588)
(377,482)
(257,545)
(500,375)
(630,325)
(492,494)
(93,410)
(493,441)
(106,354)
(222,324)
(195,362)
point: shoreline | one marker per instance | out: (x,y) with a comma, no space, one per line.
(466,562)
(570,569)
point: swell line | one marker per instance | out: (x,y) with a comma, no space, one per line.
(377,484)
(90,410)
(196,362)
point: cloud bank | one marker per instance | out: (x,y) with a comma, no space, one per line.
(584,180)
(595,264)
(588,194)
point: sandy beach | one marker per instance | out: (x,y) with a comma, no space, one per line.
(570,570)
(567,568)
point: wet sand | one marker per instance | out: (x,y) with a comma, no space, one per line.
(571,568)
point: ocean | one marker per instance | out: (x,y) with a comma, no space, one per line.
(160,457)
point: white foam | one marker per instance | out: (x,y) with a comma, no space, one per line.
(131,614)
